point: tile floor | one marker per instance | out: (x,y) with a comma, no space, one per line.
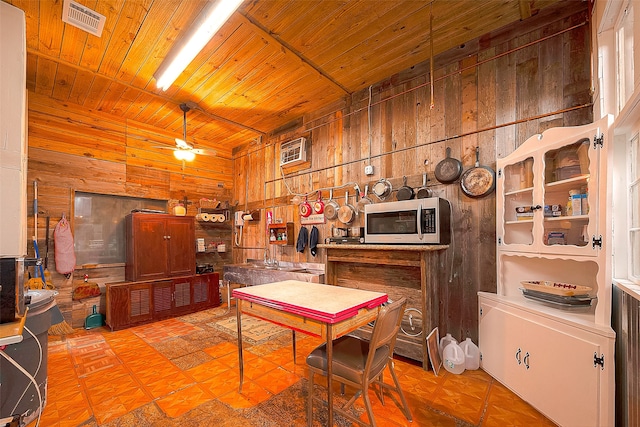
(183,372)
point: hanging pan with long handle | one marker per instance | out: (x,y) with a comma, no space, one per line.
(347,213)
(423,192)
(364,199)
(405,192)
(448,169)
(478,181)
(331,207)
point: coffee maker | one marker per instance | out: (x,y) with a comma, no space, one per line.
(12,302)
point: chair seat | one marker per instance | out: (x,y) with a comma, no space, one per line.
(349,358)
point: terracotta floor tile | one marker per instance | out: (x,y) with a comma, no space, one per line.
(211,369)
(107,375)
(222,384)
(165,386)
(221,349)
(184,400)
(277,380)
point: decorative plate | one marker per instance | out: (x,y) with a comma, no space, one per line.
(556,288)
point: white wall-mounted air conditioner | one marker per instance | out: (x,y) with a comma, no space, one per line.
(293,152)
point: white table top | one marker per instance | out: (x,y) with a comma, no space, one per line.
(326,303)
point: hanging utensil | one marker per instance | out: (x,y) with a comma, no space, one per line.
(382,189)
(423,192)
(318,205)
(448,169)
(331,208)
(405,192)
(347,213)
(305,208)
(364,199)
(478,181)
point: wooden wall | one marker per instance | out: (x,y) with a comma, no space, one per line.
(493,92)
(75,149)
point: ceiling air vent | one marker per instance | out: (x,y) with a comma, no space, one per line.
(293,152)
(82,17)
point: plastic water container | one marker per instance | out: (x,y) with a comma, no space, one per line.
(444,341)
(453,358)
(471,355)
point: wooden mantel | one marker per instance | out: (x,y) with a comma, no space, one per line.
(413,271)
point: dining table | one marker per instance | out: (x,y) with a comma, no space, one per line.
(325,311)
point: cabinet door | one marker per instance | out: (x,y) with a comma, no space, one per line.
(140,303)
(162,299)
(181,246)
(562,380)
(501,348)
(181,296)
(146,247)
(205,291)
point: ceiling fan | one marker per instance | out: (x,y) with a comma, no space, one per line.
(183,150)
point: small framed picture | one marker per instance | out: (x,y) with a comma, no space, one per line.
(432,348)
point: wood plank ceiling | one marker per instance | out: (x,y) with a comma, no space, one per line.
(272,62)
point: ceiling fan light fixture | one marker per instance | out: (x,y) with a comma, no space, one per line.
(208,23)
(184,155)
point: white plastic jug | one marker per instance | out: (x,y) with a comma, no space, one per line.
(453,358)
(471,355)
(444,341)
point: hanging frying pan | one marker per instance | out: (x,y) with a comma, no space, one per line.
(423,192)
(318,205)
(448,169)
(347,213)
(364,199)
(305,208)
(382,188)
(405,192)
(331,208)
(478,181)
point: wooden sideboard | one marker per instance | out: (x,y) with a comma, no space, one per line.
(135,303)
(412,271)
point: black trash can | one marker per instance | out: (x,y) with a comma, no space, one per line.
(18,395)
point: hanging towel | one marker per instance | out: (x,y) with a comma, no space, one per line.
(313,241)
(64,252)
(303,238)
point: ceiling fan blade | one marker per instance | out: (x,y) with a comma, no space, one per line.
(204,151)
(183,144)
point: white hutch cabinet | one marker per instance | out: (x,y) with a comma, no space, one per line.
(556,353)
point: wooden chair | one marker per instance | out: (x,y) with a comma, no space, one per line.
(360,363)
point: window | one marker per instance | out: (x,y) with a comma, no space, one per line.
(98,226)
(624,57)
(634,209)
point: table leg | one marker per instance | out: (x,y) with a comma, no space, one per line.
(293,344)
(239,327)
(329,374)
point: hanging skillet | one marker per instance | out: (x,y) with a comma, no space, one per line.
(318,205)
(423,192)
(331,207)
(478,181)
(448,169)
(347,213)
(405,192)
(305,208)
(364,199)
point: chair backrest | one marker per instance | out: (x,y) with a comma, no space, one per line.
(386,327)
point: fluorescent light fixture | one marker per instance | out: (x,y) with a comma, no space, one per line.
(208,23)
(184,155)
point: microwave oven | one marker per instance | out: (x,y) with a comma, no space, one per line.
(415,221)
